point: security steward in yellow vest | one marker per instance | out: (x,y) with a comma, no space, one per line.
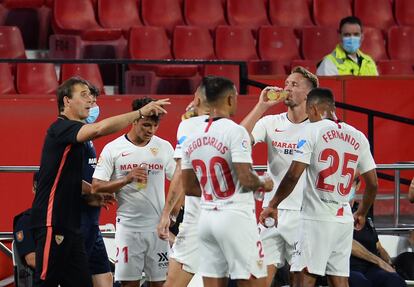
(347,59)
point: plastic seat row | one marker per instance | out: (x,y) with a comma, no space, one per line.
(250,13)
(41,78)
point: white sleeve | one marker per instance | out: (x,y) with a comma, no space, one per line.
(105,165)
(366,161)
(185,159)
(327,68)
(240,145)
(170,166)
(181,137)
(259,131)
(304,147)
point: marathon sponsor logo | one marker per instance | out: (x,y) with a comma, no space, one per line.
(206,141)
(148,166)
(285,147)
(335,134)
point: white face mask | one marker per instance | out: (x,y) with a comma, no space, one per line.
(93,115)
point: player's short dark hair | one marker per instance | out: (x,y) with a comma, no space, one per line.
(94,90)
(66,89)
(140,102)
(349,20)
(215,87)
(320,96)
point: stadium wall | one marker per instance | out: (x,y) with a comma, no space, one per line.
(25,118)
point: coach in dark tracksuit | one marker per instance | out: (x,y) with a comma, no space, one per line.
(60,250)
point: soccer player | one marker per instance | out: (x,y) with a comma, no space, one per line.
(134,167)
(217,165)
(330,151)
(281,133)
(184,255)
(55,218)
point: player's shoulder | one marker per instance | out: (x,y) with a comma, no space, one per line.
(159,141)
(193,121)
(352,129)
(116,142)
(276,118)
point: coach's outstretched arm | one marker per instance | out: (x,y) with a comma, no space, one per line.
(371,187)
(117,123)
(286,187)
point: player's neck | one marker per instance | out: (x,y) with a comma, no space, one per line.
(70,116)
(133,138)
(297,114)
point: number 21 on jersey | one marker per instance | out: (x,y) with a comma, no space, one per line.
(347,172)
(218,172)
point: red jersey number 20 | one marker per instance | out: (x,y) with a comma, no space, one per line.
(219,173)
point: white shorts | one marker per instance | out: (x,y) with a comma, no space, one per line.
(324,248)
(279,241)
(137,252)
(185,249)
(230,244)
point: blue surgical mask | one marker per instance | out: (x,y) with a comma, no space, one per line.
(351,44)
(352,193)
(93,115)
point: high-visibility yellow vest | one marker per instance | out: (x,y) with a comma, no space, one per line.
(346,66)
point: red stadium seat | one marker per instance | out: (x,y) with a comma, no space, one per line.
(36,78)
(404,12)
(401,43)
(11,43)
(90,72)
(395,67)
(374,43)
(229,71)
(248,13)
(162,13)
(277,46)
(317,42)
(330,12)
(277,43)
(152,43)
(149,43)
(6,80)
(292,13)
(84,24)
(310,65)
(235,43)
(374,13)
(202,13)
(23,4)
(119,14)
(190,42)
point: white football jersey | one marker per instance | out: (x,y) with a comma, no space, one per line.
(333,152)
(139,206)
(212,154)
(281,137)
(186,128)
